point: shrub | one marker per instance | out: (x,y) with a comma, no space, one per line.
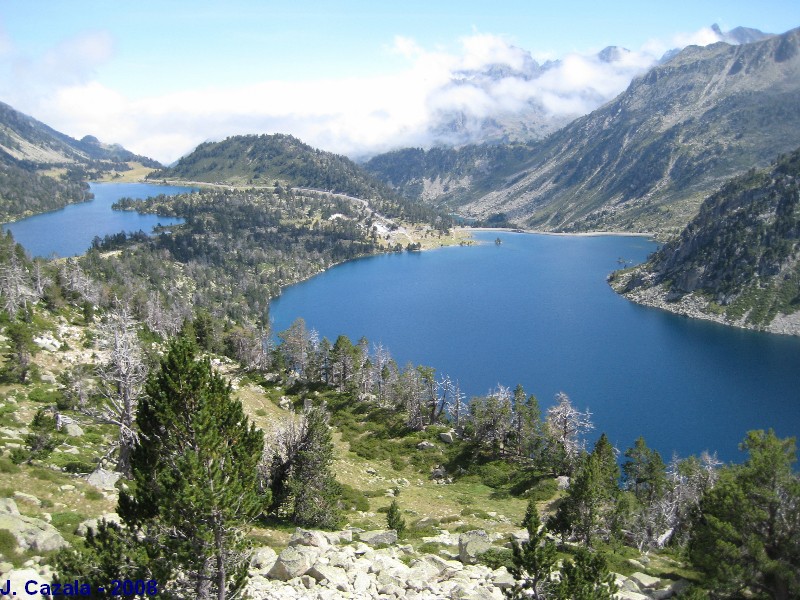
(544,489)
(353,499)
(8,543)
(421,532)
(43,396)
(494,558)
(429,548)
(78,466)
(45,474)
(496,474)
(66,522)
(475,512)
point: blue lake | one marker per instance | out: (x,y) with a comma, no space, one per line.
(537,310)
(69,231)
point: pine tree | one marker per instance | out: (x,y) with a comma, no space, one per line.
(645,472)
(394,519)
(18,360)
(747,536)
(110,552)
(41,441)
(586,577)
(195,477)
(590,499)
(312,487)
(534,560)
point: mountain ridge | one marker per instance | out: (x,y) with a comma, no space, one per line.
(24,139)
(645,160)
(43,169)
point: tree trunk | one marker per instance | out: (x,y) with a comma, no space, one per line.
(221,575)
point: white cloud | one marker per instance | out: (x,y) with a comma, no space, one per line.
(702,37)
(353,116)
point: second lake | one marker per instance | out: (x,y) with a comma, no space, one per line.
(69,231)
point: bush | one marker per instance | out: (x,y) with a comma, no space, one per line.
(45,475)
(421,532)
(66,522)
(8,546)
(78,466)
(494,558)
(543,490)
(429,548)
(43,396)
(496,474)
(353,499)
(499,495)
(475,512)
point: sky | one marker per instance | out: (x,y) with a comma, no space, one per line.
(355,77)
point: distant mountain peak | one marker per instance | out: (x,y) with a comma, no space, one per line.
(611,54)
(740,35)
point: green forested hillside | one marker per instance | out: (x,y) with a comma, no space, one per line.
(24,192)
(282,161)
(740,256)
(265,159)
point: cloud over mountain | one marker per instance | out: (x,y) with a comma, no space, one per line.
(486,87)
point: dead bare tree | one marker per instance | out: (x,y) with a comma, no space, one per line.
(41,280)
(567,425)
(122,376)
(15,288)
(76,281)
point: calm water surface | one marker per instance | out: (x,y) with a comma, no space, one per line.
(69,231)
(537,310)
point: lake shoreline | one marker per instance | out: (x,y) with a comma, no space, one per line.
(563,234)
(693,306)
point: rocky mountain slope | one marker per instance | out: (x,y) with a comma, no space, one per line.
(644,161)
(53,502)
(738,261)
(25,140)
(42,169)
(533,119)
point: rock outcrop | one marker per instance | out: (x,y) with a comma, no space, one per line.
(317,567)
(30,533)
